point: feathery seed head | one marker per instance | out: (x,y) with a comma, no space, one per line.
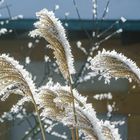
(112,64)
(50,28)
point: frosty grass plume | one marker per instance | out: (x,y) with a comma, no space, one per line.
(112,64)
(52,30)
(21,75)
(87,120)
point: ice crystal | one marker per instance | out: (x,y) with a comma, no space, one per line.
(57,7)
(27,60)
(3,31)
(123,19)
(79,45)
(103,96)
(30,45)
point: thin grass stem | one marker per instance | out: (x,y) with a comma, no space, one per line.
(39,120)
(38,117)
(74,109)
(72,134)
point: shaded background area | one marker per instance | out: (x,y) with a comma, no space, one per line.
(117,8)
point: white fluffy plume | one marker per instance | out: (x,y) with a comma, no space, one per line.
(52,30)
(112,64)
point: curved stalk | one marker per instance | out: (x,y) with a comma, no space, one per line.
(38,116)
(39,120)
(72,134)
(74,109)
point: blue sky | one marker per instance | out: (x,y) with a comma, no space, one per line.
(129,9)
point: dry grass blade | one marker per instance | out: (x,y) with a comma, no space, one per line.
(48,106)
(52,30)
(111,64)
(55,101)
(60,95)
(86,126)
(57,105)
(14,78)
(92,128)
